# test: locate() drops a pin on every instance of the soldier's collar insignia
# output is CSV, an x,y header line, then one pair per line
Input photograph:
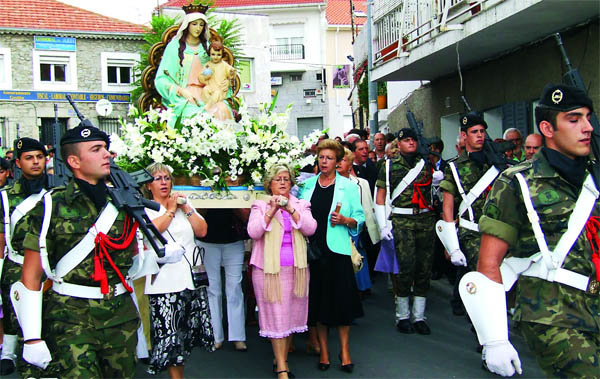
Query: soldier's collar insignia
x,y
465,120
557,96
85,133
20,144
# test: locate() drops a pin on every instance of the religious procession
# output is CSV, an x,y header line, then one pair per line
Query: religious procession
x,y
255,194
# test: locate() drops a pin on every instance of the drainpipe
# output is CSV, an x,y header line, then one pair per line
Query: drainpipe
x,y
373,116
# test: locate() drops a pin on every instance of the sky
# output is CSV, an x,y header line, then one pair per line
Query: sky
x,y
136,11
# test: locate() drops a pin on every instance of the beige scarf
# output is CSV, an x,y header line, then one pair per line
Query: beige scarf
x,y
272,266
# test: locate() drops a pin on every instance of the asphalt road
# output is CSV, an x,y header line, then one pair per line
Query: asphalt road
x,y
377,349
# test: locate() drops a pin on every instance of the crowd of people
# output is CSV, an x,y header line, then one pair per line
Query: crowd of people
x,y
317,242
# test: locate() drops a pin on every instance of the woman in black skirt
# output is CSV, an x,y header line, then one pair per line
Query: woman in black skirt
x,y
333,295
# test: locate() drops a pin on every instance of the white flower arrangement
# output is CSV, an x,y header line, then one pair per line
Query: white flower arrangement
x,y
211,149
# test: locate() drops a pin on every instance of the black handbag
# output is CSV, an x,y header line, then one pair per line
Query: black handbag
x,y
313,251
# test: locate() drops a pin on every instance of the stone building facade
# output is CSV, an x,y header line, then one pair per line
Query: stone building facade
x,y
92,58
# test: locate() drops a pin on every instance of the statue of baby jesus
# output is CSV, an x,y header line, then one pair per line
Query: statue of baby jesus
x,y
217,77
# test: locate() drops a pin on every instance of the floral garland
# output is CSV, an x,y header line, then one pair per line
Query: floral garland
x,y
212,149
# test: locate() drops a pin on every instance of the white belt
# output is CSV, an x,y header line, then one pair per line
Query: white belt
x,y
86,292
464,223
408,211
511,268
17,258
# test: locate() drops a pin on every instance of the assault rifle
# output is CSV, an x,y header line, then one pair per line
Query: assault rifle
x,y
61,174
417,126
125,194
573,78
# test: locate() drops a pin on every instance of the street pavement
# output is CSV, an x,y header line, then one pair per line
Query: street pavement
x,y
377,349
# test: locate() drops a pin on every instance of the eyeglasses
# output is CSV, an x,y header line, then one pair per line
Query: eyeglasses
x,y
166,178
285,180
514,139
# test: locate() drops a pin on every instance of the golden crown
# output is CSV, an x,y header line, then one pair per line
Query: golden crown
x,y
194,7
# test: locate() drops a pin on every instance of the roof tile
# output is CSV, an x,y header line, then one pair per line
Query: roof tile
x,y
338,12
244,3
54,15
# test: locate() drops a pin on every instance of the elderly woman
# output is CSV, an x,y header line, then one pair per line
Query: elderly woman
x,y
179,312
333,296
344,168
280,274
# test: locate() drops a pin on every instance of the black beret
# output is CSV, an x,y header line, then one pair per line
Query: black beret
x,y
4,164
563,98
471,119
26,144
407,133
84,133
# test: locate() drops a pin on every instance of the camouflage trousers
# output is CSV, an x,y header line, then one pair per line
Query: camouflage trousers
x,y
83,349
469,245
11,273
563,352
414,252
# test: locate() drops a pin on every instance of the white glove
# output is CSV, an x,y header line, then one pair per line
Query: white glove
x,y
437,178
144,263
458,258
386,233
385,226
37,354
501,358
173,253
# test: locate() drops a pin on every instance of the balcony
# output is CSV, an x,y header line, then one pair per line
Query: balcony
x,y
287,52
419,39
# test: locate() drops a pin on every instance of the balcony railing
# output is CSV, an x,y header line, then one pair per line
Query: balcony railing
x,y
402,25
287,52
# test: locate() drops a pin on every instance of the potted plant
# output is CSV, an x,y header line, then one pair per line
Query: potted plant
x,y
381,95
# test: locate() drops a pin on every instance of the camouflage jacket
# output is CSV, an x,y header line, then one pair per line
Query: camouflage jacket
x,y
505,217
399,167
16,194
469,172
73,213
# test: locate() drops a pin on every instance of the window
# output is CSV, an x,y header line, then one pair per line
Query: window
x,y
4,130
296,77
118,71
245,70
54,70
5,69
289,43
110,125
319,76
46,129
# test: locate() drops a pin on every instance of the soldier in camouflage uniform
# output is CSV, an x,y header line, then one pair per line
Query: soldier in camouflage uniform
x,y
412,224
471,166
89,327
558,306
31,159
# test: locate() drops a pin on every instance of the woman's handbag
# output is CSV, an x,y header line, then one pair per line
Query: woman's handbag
x,y
313,251
357,259
199,275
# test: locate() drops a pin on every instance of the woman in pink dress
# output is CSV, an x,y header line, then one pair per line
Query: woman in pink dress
x,y
280,274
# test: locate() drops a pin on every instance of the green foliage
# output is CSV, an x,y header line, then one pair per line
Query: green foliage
x,y
158,25
381,88
363,91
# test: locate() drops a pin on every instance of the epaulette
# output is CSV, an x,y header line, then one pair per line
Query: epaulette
x,y
523,166
453,158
